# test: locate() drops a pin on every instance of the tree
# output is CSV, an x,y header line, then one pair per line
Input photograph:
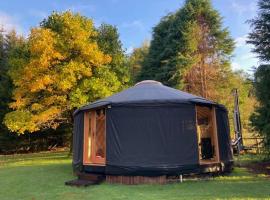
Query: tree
x,y
109,42
10,53
260,38
190,50
260,35
136,60
260,119
4,94
65,69
160,50
247,101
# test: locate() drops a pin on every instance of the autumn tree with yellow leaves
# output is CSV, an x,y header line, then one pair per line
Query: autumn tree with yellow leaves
x,y
65,69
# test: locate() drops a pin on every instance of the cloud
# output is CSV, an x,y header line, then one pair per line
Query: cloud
x,y
243,48
8,23
236,66
136,24
241,41
243,8
248,55
243,58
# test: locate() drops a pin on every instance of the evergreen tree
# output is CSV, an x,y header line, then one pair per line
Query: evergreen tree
x,y
3,90
10,45
260,119
190,50
260,38
260,35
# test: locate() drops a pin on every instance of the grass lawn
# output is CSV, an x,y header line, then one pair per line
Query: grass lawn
x,y
42,176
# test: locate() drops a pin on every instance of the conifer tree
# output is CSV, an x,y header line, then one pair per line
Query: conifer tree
x,y
260,38
10,53
190,50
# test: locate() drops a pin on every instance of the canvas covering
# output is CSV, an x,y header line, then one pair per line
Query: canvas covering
x,y
150,130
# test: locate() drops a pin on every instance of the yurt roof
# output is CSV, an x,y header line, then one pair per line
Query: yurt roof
x,y
147,92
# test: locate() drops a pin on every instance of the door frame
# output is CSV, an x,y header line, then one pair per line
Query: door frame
x,y
92,159
215,136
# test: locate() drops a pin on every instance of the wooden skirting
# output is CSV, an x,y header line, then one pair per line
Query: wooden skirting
x,y
133,180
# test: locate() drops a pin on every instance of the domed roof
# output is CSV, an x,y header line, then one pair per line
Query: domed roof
x,y
148,91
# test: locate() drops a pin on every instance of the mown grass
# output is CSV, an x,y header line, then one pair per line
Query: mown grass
x,y
41,177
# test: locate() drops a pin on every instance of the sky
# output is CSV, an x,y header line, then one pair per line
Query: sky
x,y
134,19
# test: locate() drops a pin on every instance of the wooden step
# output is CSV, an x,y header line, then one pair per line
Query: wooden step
x,y
86,179
91,176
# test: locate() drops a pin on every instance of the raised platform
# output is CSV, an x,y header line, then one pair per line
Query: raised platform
x,y
204,170
134,180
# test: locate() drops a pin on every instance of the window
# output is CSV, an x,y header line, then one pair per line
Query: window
x,y
95,137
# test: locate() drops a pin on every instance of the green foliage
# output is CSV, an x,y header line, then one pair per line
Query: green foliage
x,y
136,60
10,44
19,120
14,53
260,119
259,36
4,94
68,66
190,50
177,41
95,87
247,101
65,63
109,42
4,89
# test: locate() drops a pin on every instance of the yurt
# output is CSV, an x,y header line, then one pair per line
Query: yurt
x,y
150,131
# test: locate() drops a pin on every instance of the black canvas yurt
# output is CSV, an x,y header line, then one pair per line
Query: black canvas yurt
x,y
151,130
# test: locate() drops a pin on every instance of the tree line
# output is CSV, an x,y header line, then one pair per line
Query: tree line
x,y
191,50
260,38
67,62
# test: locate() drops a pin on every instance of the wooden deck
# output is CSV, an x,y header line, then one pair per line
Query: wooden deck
x,y
134,180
